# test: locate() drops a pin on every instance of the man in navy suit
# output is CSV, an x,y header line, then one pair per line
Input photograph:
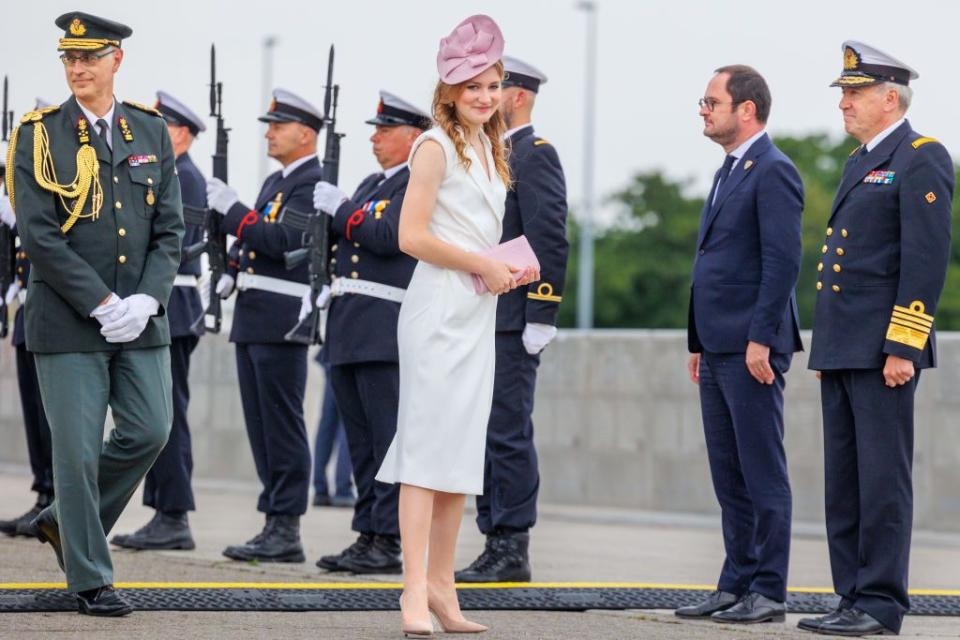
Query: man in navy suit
x,y
742,333
526,323
885,260
273,372
370,277
166,488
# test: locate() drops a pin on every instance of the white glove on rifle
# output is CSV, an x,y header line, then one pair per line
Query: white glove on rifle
x,y
322,299
328,198
537,336
220,195
225,286
12,292
140,308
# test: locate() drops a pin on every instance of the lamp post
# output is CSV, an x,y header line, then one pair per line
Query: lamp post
x,y
585,267
266,87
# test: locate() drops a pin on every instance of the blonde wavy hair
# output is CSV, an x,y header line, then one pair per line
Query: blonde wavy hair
x,y
445,113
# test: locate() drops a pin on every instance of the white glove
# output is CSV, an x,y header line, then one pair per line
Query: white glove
x,y
537,336
225,286
6,212
220,195
140,307
322,299
328,198
12,292
110,311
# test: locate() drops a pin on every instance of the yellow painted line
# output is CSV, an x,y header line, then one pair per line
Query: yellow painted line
x,y
398,585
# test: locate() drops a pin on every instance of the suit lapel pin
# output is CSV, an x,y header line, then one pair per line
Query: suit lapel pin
x,y
747,165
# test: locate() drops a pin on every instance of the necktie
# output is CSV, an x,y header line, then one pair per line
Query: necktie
x,y
102,128
724,174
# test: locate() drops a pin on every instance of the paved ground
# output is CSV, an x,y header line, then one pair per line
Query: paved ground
x,y
569,544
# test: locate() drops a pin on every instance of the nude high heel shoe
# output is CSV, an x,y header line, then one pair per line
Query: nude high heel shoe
x,y
449,625
417,630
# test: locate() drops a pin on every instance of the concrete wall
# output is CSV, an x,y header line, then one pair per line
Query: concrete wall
x,y
617,424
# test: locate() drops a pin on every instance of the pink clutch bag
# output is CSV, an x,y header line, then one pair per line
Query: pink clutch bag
x,y
516,252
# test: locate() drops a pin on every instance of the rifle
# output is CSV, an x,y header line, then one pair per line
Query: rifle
x,y
315,226
7,241
214,242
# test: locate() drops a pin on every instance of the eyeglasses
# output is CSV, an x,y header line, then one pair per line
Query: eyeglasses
x,y
85,59
711,103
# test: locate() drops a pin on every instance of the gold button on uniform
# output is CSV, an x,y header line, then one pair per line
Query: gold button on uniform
x,y
19,269
249,269
843,232
356,245
354,275
334,247
116,180
121,232
829,231
354,259
122,259
839,251
823,249
149,180
820,267
119,205
819,286
251,255
836,288
836,268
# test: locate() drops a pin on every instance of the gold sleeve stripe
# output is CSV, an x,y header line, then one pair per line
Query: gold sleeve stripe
x,y
544,293
85,43
855,150
909,337
914,319
919,142
912,325
539,142
915,309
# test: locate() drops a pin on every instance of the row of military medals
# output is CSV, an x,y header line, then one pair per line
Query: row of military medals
x,y
83,137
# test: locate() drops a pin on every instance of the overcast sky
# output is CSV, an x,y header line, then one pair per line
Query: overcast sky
x,y
655,58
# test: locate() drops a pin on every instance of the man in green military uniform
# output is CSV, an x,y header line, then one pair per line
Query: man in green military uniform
x,y
98,210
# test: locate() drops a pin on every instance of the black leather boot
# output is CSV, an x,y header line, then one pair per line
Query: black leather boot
x,y
281,543
237,551
360,545
164,531
508,561
383,556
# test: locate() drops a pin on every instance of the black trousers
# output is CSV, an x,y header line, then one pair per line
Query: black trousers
x,y
868,459
511,479
167,485
273,378
39,449
368,396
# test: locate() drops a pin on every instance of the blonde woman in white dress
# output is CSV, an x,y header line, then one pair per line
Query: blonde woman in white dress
x,y
453,208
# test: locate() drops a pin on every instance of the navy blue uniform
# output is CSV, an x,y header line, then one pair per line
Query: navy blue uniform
x,y
884,263
39,449
362,340
167,485
744,275
272,372
536,207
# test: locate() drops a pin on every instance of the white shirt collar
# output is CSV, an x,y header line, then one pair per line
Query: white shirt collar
x,y
290,168
741,151
392,171
510,132
880,137
92,117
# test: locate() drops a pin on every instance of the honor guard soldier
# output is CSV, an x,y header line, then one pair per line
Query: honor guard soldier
x,y
526,323
885,258
34,419
98,211
273,372
167,487
371,274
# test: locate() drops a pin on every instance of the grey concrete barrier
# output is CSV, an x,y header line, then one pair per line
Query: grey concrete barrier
x,y
617,425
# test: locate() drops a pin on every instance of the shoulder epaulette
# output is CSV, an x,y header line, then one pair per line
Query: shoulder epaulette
x,y
855,150
143,107
38,114
540,141
919,142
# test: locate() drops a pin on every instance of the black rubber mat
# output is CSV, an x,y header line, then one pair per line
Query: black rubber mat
x,y
511,598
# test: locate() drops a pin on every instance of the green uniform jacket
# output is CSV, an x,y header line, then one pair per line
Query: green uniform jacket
x,y
133,247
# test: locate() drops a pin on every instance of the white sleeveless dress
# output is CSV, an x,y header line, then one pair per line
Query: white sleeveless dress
x,y
446,336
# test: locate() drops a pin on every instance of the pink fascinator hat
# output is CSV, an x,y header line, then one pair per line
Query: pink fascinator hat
x,y
473,46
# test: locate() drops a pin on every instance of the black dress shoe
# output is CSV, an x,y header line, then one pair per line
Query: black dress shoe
x,y
343,502
103,601
752,609
360,545
164,531
321,500
383,556
20,526
814,624
45,529
854,623
505,559
716,601
280,543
